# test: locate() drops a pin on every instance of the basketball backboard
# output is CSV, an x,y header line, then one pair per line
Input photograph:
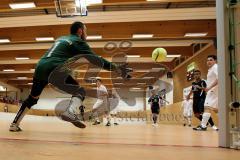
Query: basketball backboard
x,y
69,8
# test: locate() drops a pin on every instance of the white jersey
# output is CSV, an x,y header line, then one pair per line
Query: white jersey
x,y
101,98
212,95
101,90
187,108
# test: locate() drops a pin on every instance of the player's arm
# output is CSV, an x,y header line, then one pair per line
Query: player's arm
x,y
163,100
215,83
149,100
83,48
189,95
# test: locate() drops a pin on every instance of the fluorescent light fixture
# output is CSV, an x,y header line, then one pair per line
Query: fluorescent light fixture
x,y
4,40
158,69
173,56
8,70
195,34
44,39
30,83
92,2
2,88
22,5
22,58
93,83
136,88
141,83
21,78
148,77
119,77
32,70
132,56
142,36
94,37
118,83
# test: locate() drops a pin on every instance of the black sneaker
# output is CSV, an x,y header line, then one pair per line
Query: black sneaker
x,y
189,125
200,128
116,124
96,123
108,124
184,124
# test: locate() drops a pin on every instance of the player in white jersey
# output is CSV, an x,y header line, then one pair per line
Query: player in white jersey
x,y
211,102
187,105
102,104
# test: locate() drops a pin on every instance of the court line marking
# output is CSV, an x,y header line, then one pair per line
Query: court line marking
x,y
103,143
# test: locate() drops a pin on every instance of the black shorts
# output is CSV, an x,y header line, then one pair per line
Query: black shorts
x,y
198,105
155,110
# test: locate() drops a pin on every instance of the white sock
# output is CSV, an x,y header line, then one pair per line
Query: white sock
x,y
189,120
205,119
114,119
75,103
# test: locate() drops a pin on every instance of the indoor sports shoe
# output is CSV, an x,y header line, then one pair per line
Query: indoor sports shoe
x,y
96,123
200,128
215,128
73,118
14,128
108,124
116,123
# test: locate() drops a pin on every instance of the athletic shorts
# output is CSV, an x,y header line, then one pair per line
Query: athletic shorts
x,y
211,99
198,105
155,110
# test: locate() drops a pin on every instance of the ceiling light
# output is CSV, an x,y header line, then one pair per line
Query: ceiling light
x,y
22,58
132,56
141,83
22,5
173,56
21,78
118,83
148,77
158,69
142,36
8,70
4,40
94,37
44,39
92,2
136,88
2,88
195,34
30,83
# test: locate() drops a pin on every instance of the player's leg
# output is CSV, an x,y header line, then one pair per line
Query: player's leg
x,y
63,81
37,88
211,100
115,119
107,111
108,117
96,107
189,117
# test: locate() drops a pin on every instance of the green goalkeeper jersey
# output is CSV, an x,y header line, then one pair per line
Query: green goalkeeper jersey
x,y
63,49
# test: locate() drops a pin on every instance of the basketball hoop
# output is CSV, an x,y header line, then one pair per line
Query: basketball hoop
x,y
70,8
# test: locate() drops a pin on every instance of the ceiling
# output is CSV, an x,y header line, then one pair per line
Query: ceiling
x,y
116,21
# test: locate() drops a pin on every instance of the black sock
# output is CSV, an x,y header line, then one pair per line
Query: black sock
x,y
19,113
210,121
200,117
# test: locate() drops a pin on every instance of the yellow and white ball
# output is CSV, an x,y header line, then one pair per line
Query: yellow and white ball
x,y
159,55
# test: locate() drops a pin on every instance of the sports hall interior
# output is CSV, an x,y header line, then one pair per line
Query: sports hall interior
x,y
113,27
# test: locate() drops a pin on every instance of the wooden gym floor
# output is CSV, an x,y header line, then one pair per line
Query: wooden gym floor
x,y
48,138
